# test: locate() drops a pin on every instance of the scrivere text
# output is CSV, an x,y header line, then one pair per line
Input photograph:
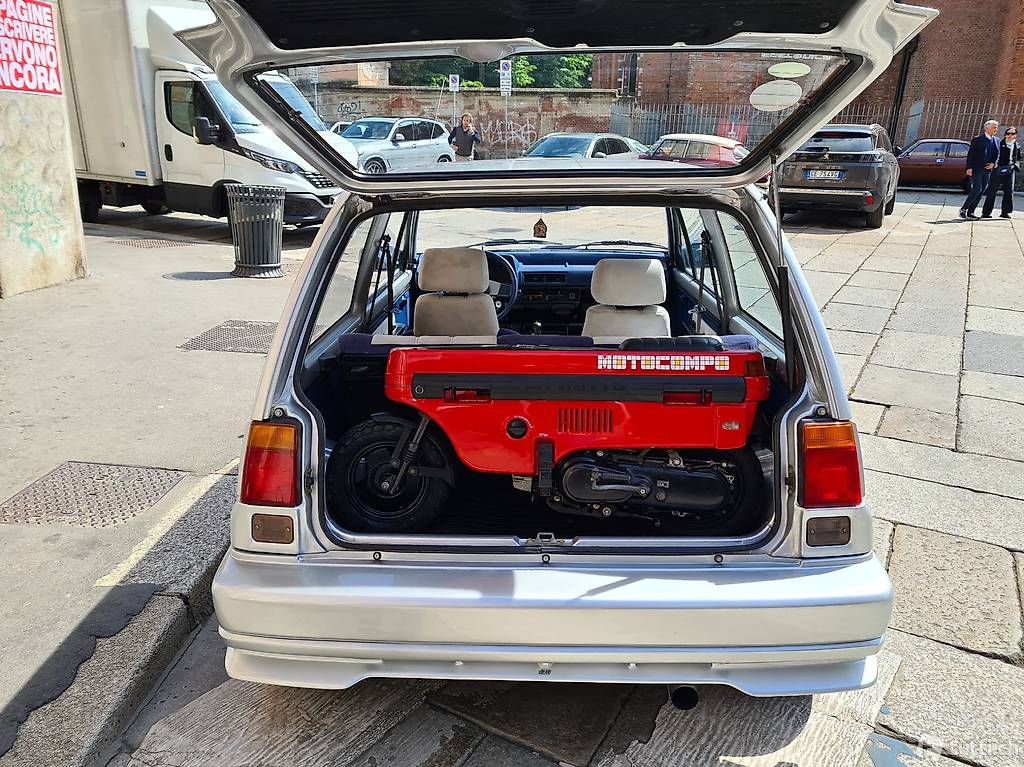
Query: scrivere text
x,y
29,60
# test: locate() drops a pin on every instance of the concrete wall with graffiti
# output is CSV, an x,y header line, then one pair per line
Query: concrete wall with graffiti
x,y
530,114
40,229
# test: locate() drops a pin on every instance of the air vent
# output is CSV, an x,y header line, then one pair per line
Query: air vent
x,y
585,420
543,278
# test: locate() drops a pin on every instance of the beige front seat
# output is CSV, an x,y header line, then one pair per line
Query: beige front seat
x,y
454,302
628,291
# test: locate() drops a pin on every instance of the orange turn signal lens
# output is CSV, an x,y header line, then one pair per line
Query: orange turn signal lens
x,y
831,465
272,436
270,473
829,434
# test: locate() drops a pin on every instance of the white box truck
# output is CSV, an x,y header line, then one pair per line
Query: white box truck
x,y
152,126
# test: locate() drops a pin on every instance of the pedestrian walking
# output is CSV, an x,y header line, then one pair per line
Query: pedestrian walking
x,y
981,159
464,139
1002,176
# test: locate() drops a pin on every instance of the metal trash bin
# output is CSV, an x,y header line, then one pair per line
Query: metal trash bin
x,y
256,214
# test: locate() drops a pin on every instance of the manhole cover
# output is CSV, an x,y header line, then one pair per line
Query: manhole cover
x,y
89,495
234,336
138,242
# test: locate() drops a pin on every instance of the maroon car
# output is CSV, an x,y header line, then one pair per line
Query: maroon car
x,y
935,162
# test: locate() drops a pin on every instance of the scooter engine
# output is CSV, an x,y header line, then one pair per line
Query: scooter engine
x,y
700,484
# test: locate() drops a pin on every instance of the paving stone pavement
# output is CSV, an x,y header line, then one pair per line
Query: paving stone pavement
x,y
924,314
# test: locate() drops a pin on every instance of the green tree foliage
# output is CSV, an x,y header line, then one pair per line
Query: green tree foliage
x,y
522,72
569,71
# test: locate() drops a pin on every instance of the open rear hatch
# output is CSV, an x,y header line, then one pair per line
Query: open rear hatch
x,y
775,71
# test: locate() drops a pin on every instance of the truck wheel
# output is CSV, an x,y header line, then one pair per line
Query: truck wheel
x,y
359,469
375,167
890,206
154,208
89,201
875,218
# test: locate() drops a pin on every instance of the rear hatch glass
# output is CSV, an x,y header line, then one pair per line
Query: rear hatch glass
x,y
610,78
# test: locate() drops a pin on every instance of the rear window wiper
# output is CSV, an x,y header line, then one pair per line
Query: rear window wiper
x,y
633,243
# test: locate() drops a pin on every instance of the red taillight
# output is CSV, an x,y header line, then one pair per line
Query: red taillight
x,y
831,465
269,476
870,198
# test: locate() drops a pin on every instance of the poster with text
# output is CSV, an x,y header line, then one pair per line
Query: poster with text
x,y
29,60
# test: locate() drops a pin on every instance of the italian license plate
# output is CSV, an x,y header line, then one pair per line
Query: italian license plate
x,y
831,175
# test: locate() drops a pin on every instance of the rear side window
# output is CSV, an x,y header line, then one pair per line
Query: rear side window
x,y
753,290
958,150
338,296
839,141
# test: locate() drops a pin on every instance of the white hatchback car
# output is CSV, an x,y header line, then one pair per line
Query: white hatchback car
x,y
398,143
578,421
585,145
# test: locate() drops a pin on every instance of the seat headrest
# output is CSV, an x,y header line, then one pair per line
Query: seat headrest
x,y
628,282
453,270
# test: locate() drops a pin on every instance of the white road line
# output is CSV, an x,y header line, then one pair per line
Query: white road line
x,y
156,532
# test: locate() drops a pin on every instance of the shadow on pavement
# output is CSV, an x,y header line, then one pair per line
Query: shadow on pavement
x,y
110,616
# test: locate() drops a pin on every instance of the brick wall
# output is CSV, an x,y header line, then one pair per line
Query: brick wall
x,y
1010,73
532,112
974,49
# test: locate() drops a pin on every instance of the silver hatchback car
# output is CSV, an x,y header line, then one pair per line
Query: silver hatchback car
x,y
398,143
579,422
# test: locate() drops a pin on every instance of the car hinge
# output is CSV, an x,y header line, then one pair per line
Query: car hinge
x,y
782,271
309,478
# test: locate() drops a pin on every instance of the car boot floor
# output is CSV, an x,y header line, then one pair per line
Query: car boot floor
x,y
484,505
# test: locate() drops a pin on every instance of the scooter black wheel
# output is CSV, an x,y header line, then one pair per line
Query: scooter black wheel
x,y
365,494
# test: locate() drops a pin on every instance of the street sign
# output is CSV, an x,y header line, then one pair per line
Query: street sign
x,y
505,75
453,83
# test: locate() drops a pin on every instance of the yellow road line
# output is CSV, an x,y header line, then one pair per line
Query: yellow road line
x,y
155,533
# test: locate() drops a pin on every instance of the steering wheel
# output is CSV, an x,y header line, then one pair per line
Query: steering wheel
x,y
503,283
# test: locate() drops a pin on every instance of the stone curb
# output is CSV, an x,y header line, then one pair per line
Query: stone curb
x,y
83,725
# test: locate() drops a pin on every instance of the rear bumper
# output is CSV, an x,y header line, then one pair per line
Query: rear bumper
x,y
767,630
801,198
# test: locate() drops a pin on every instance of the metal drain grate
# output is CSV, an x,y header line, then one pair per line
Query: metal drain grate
x,y
234,336
89,495
138,242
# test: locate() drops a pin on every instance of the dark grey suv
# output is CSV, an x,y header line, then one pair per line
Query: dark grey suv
x,y
843,167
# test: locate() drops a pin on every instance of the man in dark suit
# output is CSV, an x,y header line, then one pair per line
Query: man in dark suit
x,y
981,159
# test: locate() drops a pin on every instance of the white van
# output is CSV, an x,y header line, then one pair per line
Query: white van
x,y
151,124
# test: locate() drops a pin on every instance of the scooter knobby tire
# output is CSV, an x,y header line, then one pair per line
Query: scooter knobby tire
x,y
361,455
